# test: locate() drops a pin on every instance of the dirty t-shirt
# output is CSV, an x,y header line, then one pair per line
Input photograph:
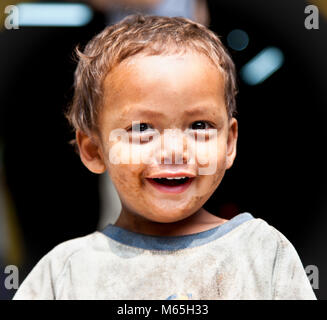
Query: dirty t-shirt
x,y
244,258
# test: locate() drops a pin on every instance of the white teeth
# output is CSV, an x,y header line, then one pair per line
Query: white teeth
x,y
174,178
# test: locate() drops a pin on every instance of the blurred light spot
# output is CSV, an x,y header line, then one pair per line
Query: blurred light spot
x,y
262,66
54,14
238,39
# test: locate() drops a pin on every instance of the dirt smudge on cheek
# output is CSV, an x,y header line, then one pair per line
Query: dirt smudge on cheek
x,y
216,181
195,202
218,176
128,181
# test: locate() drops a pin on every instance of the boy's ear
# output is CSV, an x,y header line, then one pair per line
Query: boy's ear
x,y
90,153
231,142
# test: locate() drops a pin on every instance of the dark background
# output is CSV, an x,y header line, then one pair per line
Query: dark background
x,y
280,171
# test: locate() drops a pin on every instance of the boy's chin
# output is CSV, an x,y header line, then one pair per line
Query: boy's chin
x,y
169,217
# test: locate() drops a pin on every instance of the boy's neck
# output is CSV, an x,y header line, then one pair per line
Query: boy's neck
x,y
201,220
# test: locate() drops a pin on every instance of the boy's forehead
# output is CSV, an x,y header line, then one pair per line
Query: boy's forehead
x,y
142,62
167,83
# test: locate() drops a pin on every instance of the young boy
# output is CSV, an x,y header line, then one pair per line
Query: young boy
x,y
153,105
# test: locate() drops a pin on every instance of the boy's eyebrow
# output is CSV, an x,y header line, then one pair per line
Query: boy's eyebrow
x,y
193,111
196,110
150,113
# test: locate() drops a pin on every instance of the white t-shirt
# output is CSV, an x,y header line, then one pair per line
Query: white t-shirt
x,y
244,258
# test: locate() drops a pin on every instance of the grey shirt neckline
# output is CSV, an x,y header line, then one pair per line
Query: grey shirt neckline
x,y
151,242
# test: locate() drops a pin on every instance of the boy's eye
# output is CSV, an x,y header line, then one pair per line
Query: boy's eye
x,y
141,132
141,127
200,125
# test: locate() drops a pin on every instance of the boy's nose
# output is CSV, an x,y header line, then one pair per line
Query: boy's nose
x,y
174,148
173,157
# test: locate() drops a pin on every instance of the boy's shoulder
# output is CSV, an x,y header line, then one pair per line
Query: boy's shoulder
x,y
68,248
262,231
257,229
270,231
256,237
62,253
46,274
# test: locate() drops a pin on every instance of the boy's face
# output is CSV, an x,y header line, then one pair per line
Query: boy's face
x,y
183,92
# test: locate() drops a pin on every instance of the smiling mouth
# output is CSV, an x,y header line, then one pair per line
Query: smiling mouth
x,y
171,185
171,181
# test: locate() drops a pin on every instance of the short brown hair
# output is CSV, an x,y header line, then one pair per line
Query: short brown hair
x,y
152,35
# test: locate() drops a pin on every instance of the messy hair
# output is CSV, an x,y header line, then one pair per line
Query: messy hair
x,y
149,35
